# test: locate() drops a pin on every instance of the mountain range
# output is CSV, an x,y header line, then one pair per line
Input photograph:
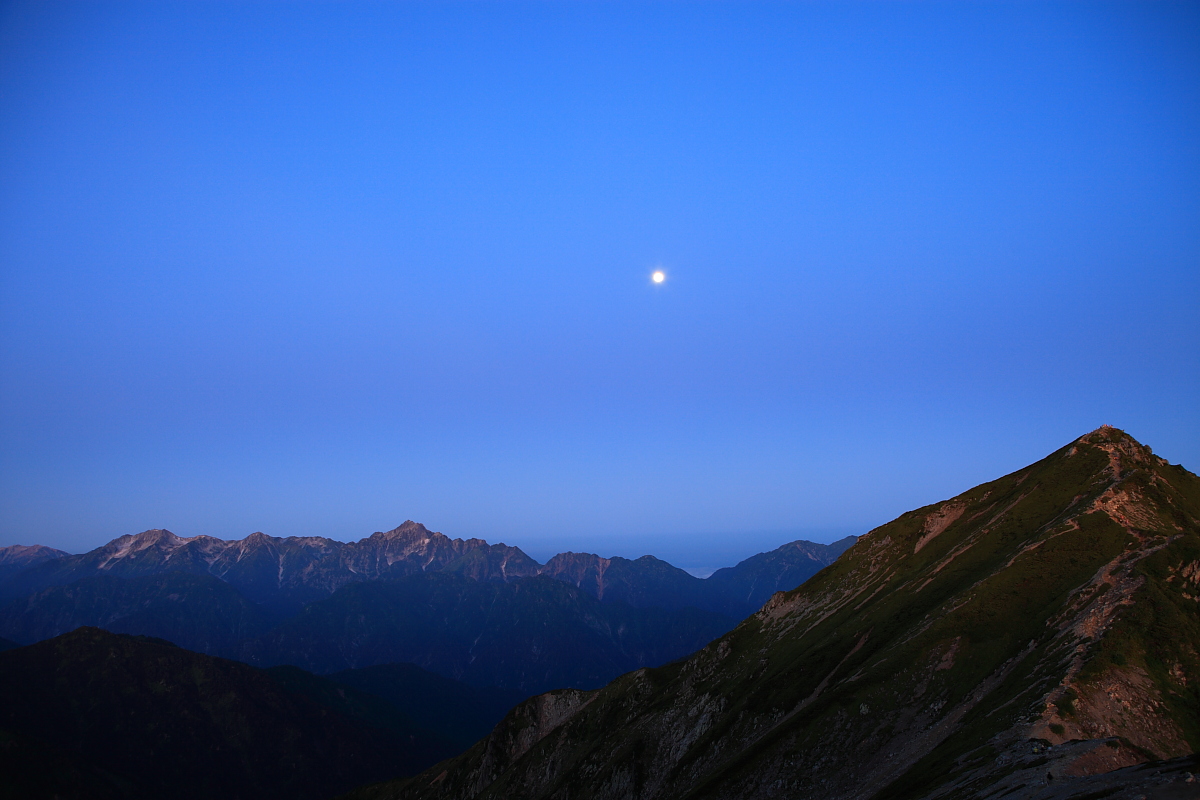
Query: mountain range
x,y
466,609
1033,637
284,574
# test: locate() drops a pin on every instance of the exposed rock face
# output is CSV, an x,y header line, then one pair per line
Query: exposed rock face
x,y
943,654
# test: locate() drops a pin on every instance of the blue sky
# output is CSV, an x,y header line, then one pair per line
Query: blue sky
x,y
314,269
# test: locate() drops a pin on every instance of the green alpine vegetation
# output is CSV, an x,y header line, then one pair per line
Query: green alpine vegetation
x,y
1041,627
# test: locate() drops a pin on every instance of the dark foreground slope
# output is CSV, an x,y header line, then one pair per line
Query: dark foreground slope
x,y
939,657
92,714
457,712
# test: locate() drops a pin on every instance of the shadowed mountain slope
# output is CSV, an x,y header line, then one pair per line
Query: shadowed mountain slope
x,y
530,635
642,582
93,714
199,612
939,656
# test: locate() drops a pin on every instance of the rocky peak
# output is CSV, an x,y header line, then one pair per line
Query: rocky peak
x,y
156,537
1124,452
408,530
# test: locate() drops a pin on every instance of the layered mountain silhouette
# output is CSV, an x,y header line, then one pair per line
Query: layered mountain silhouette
x,y
1033,637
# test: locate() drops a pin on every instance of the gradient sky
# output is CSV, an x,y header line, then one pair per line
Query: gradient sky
x,y
314,269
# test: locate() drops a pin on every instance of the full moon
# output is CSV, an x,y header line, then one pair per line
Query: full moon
x,y
658,276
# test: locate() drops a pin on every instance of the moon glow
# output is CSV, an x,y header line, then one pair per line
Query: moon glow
x,y
659,276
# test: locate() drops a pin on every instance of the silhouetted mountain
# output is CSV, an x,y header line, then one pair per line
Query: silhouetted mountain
x,y
7,644
19,557
96,715
1036,628
452,710
199,612
530,634
752,582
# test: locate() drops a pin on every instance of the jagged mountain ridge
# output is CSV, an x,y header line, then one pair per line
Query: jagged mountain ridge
x,y
946,653
287,573
293,569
